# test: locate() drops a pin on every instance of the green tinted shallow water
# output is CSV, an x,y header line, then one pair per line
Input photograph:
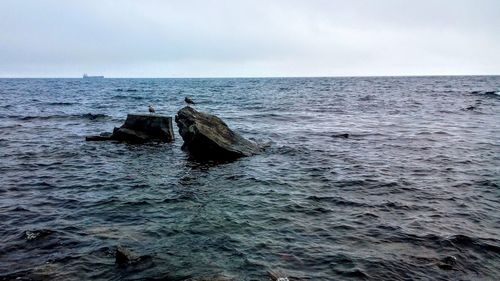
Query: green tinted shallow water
x,y
416,180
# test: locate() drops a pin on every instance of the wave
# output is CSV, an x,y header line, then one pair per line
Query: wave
x,y
60,103
367,98
336,200
126,90
456,241
495,94
426,133
10,126
120,97
88,116
345,135
92,116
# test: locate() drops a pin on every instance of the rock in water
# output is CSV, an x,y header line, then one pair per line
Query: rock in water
x,y
123,256
447,263
140,128
208,137
101,137
212,278
188,100
344,136
31,235
145,127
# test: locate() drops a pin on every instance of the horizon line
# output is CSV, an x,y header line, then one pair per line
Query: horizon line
x,y
259,77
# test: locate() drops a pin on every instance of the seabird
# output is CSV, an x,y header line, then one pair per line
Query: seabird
x,y
188,100
151,109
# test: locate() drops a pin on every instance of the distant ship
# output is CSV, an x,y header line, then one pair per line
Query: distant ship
x,y
85,76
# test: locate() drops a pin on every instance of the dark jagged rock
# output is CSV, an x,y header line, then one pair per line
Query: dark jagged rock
x,y
207,137
140,128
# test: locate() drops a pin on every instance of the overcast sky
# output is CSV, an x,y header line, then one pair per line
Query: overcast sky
x,y
188,38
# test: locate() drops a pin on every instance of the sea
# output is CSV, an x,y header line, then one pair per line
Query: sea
x,y
362,178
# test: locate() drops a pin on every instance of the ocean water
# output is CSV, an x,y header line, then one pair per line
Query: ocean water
x,y
411,194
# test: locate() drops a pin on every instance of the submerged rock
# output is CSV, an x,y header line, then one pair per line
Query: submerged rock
x,y
31,235
140,128
123,256
278,275
447,263
206,136
219,277
101,137
92,116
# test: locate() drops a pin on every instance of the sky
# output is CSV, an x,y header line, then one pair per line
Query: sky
x,y
257,38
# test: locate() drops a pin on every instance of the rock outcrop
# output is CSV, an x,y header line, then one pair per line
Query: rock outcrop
x,y
207,137
140,128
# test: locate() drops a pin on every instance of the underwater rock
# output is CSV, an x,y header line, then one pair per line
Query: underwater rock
x,y
92,116
212,278
123,256
101,137
206,136
447,263
31,235
140,128
280,276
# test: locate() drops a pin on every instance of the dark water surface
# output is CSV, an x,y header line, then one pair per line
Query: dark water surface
x,y
415,183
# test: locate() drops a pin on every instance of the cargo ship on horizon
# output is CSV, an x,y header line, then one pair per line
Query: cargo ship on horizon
x,y
85,76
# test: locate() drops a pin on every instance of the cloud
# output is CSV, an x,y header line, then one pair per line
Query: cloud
x,y
152,38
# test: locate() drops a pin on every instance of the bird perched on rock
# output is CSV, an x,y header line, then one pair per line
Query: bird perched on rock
x,y
151,109
188,100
